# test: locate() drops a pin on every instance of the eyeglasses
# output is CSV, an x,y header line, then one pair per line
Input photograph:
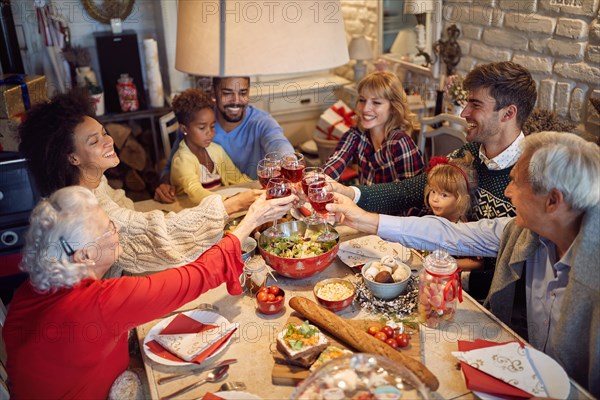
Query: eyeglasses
x,y
69,250
111,231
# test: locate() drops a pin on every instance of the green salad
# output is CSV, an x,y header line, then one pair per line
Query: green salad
x,y
297,246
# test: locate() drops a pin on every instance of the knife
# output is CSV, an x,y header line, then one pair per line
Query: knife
x,y
172,378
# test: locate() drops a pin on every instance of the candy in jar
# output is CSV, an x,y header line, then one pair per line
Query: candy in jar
x,y
127,93
439,288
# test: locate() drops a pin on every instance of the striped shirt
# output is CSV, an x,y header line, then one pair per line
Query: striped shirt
x,y
397,159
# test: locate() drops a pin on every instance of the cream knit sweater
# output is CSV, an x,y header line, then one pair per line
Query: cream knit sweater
x,y
154,241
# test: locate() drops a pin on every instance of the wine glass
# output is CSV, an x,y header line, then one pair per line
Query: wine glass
x,y
276,188
273,156
320,194
292,166
267,169
312,175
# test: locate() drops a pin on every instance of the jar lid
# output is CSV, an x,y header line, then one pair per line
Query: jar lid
x,y
440,262
125,78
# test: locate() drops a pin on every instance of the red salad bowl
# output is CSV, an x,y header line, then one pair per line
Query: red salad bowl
x,y
298,268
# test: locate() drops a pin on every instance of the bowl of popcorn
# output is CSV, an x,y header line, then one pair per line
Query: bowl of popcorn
x,y
387,278
334,294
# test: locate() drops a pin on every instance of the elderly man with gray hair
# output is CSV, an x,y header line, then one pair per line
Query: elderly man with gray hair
x,y
547,270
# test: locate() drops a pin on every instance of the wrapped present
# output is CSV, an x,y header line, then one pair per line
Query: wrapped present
x,y
18,92
335,121
9,134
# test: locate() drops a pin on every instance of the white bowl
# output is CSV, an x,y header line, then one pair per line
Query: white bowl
x,y
386,291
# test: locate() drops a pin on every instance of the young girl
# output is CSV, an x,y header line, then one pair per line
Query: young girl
x,y
451,184
198,164
380,144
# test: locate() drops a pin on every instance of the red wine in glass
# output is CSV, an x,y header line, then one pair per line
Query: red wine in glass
x,y
310,180
292,166
276,188
277,192
318,202
266,175
320,194
293,173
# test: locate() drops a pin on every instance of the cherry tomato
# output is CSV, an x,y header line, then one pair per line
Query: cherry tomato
x,y
278,298
381,336
270,297
389,331
373,330
274,290
402,339
392,342
261,297
263,289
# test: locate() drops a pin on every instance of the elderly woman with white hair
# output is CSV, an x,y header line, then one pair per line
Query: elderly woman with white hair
x,y
66,330
547,255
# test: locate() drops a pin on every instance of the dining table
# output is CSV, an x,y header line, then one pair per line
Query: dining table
x,y
254,342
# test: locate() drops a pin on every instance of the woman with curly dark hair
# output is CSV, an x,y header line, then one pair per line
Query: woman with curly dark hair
x,y
66,146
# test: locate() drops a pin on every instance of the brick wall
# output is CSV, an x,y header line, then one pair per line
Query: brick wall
x,y
557,40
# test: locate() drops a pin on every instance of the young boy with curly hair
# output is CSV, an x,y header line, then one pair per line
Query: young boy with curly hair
x,y
199,164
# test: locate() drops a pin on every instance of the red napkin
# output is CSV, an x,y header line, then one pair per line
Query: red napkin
x,y
210,396
481,382
304,211
184,324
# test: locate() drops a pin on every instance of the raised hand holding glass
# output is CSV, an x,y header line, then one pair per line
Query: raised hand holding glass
x,y
320,194
276,188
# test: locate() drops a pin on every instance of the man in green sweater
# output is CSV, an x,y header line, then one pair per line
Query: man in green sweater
x,y
501,97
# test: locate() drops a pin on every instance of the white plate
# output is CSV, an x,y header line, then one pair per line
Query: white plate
x,y
235,395
230,191
297,214
553,376
206,317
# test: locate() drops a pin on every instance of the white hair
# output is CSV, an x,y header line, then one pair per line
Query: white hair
x,y
566,162
64,215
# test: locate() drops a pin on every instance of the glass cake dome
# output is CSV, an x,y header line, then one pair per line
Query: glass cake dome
x,y
361,377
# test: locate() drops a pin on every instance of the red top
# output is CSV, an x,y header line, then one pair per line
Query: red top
x,y
72,343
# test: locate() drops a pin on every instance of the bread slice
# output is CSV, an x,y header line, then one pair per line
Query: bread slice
x,y
330,353
296,345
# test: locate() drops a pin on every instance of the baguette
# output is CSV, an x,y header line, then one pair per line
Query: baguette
x,y
358,339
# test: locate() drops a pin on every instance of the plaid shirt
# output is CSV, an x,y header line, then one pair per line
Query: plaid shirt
x,y
397,159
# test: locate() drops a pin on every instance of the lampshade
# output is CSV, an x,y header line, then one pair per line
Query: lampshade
x,y
418,6
359,49
243,38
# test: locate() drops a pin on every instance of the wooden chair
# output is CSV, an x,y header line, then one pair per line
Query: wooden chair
x,y
445,138
168,129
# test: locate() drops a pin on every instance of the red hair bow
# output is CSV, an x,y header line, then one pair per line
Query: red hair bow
x,y
435,161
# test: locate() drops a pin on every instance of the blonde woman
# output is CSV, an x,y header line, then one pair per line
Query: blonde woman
x,y
380,143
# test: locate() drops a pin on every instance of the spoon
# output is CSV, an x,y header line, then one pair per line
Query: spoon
x,y
216,376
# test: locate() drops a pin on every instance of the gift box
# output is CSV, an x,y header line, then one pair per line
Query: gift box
x,y
19,92
335,121
9,134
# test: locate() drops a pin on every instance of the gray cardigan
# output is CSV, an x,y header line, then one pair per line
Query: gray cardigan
x,y
576,342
